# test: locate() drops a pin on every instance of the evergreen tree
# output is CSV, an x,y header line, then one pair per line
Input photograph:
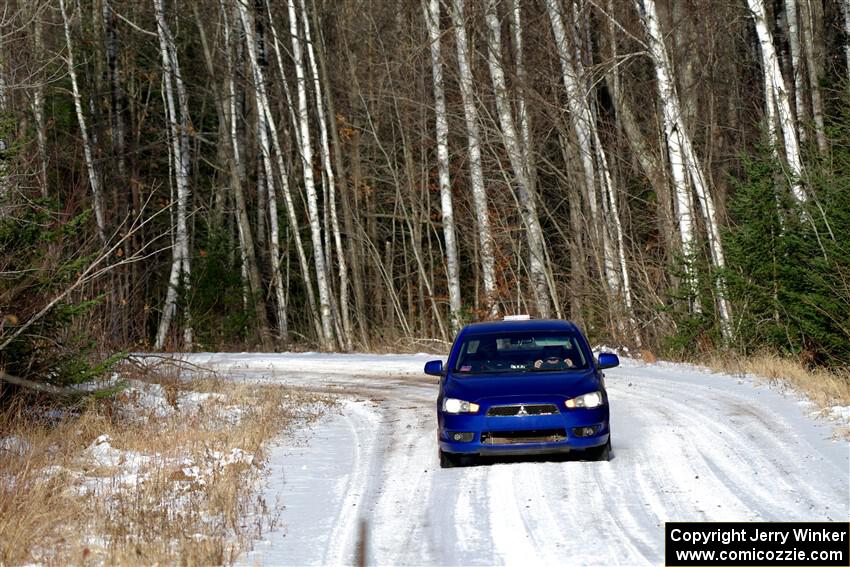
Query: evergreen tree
x,y
789,281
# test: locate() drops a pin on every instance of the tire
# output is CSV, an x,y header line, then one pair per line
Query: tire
x,y
601,453
449,460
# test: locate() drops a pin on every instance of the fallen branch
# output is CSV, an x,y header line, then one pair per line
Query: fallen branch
x,y
39,386
140,361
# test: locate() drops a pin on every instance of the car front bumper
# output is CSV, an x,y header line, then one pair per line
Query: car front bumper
x,y
523,435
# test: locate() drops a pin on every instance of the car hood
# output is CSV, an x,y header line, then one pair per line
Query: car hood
x,y
567,384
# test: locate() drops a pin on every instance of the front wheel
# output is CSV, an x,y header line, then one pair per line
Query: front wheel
x,y
601,453
449,460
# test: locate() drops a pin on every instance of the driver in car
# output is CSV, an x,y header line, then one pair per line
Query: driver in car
x,y
486,356
554,358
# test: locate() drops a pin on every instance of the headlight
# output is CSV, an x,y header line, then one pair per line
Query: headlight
x,y
452,405
591,400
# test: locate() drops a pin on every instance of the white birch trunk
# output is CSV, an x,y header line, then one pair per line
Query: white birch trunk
x,y
780,93
770,115
309,183
845,8
287,193
476,175
170,305
94,180
796,66
581,120
683,158
5,182
667,94
180,267
250,272
263,119
524,123
521,75
183,189
517,157
38,109
712,226
347,335
431,9
614,217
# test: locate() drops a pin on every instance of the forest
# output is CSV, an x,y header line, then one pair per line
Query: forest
x,y
339,175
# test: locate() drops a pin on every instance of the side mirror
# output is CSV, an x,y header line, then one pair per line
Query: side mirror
x,y
434,367
608,360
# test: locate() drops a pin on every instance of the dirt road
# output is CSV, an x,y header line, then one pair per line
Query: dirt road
x,y
688,445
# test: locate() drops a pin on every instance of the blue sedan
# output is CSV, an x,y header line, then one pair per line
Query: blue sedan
x,y
522,387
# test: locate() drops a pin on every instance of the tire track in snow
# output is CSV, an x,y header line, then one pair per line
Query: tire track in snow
x,y
399,515
725,455
509,531
342,541
464,531
538,496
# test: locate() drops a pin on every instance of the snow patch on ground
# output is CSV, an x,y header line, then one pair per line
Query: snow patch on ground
x,y
248,364
214,462
144,400
840,412
619,351
14,446
130,468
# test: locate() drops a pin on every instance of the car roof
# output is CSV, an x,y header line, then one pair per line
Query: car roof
x,y
529,325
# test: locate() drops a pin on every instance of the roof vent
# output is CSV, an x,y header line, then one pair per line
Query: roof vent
x,y
516,318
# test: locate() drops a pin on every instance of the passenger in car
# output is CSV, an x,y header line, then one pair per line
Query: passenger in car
x,y
485,355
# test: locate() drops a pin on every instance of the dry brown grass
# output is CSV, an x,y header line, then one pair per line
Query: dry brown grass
x,y
826,388
59,506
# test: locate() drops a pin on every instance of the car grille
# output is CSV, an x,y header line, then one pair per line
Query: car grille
x,y
523,437
522,410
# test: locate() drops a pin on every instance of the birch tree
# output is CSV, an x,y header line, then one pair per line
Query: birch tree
x,y
796,66
773,75
580,120
94,179
179,137
476,174
517,155
243,223
845,10
524,124
431,9
5,184
330,204
606,228
652,167
263,119
38,108
306,153
683,159
116,116
283,171
348,196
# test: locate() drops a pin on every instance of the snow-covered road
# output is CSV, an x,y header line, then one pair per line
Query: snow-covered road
x,y
688,445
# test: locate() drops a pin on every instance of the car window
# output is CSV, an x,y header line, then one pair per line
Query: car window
x,y
547,351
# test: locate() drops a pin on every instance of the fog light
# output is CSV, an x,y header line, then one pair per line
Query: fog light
x,y
462,436
584,431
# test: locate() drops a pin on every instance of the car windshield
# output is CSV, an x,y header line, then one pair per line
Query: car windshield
x,y
552,351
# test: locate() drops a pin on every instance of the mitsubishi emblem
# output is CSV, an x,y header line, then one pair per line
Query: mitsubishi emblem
x,y
522,410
